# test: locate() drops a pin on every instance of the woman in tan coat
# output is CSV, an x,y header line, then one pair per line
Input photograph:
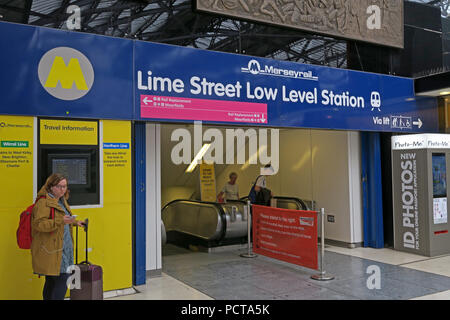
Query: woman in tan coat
x,y
52,244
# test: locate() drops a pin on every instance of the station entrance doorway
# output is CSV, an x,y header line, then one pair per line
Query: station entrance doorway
x,y
202,209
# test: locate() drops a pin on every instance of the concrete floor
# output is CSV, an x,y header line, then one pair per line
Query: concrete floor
x,y
189,275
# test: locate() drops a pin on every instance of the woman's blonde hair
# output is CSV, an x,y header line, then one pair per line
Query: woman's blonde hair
x,y
53,180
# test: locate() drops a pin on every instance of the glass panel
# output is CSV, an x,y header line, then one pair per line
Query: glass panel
x,y
439,175
439,169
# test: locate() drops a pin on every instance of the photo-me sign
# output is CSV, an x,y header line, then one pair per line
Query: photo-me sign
x,y
179,83
375,21
420,174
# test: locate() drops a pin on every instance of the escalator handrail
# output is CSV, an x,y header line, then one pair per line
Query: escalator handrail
x,y
302,203
232,201
214,204
189,201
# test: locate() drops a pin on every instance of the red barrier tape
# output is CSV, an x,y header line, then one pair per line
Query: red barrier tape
x,y
288,235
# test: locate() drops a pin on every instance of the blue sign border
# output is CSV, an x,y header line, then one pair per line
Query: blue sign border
x,y
115,93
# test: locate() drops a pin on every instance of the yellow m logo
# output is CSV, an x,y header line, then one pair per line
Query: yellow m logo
x,y
67,75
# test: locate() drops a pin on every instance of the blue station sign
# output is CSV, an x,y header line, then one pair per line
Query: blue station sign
x,y
48,72
274,93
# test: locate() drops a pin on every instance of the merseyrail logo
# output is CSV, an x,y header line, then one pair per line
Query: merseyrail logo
x,y
255,68
66,73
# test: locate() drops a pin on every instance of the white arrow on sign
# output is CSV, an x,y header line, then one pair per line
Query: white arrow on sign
x,y
146,100
263,119
418,123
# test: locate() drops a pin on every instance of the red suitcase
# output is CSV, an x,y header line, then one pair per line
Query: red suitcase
x,y
91,276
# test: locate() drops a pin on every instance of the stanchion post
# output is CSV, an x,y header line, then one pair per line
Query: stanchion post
x,y
249,254
323,276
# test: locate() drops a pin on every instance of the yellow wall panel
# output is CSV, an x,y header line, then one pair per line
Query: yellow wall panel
x,y
68,132
16,194
110,243
110,226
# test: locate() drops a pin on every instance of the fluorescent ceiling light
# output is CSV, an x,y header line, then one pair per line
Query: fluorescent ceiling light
x,y
444,93
198,157
304,159
253,157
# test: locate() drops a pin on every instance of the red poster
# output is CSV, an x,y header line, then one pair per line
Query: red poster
x,y
288,235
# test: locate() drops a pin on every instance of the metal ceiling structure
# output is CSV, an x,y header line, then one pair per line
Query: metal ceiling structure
x,y
443,4
176,22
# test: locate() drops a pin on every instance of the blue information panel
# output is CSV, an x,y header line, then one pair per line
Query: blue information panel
x,y
48,72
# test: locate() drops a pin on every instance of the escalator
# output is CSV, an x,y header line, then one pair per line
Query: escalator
x,y
209,224
212,224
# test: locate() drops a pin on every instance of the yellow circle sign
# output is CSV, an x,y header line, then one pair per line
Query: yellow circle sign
x,y
66,73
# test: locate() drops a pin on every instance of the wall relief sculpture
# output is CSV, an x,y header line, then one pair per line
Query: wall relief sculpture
x,y
376,21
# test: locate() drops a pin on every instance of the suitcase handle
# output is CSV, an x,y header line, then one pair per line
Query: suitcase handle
x,y
86,223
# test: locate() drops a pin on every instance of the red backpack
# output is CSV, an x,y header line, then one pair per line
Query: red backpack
x,y
24,230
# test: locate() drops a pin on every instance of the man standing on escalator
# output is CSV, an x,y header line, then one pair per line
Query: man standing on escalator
x,y
260,194
230,191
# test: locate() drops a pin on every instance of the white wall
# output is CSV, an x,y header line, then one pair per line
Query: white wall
x,y
356,195
294,178
176,192
320,165
153,197
294,175
336,183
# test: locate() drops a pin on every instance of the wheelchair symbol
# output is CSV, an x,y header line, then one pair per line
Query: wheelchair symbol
x,y
375,100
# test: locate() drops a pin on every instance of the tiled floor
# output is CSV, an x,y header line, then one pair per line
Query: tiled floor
x,y
227,276
445,295
164,288
384,255
435,265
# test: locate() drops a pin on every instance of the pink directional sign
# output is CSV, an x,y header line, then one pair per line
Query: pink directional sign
x,y
159,107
